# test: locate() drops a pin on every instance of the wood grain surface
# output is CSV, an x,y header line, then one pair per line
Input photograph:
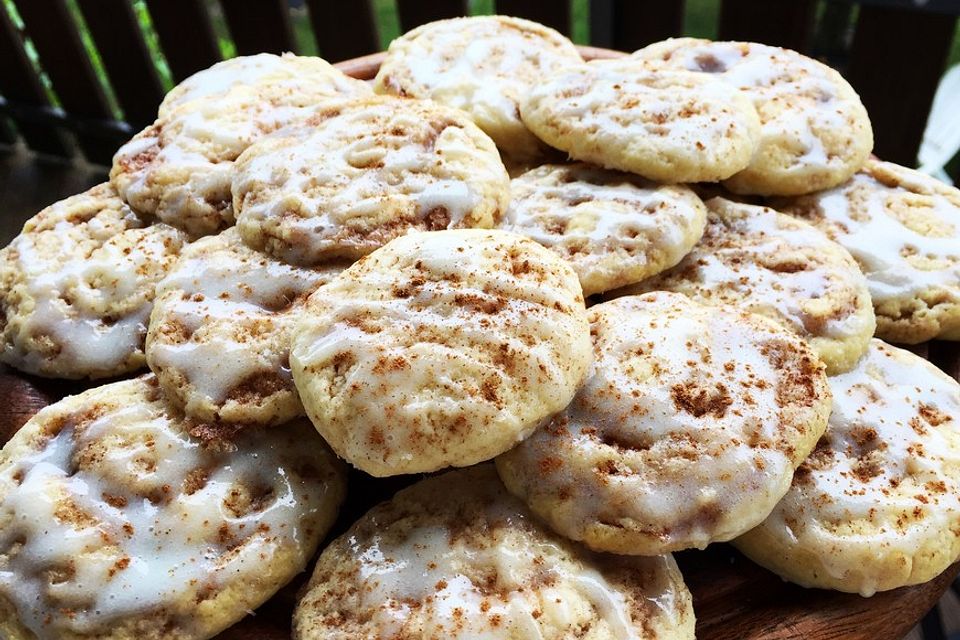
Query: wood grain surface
x,y
734,599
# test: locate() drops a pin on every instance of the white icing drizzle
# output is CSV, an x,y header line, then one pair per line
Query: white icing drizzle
x,y
483,65
884,480
769,263
83,278
89,543
477,566
237,306
671,112
179,168
599,212
603,220
410,571
467,81
372,170
898,261
286,71
799,99
447,307
678,432
190,156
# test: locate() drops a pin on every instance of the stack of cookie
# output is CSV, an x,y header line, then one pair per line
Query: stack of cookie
x,y
405,267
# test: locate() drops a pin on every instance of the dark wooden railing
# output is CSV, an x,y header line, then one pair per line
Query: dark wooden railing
x,y
892,51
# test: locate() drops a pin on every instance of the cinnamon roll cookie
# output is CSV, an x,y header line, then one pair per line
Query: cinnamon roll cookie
x,y
77,286
877,504
903,228
457,557
669,126
219,334
614,228
686,432
360,173
440,349
483,65
769,263
115,522
815,132
266,70
179,168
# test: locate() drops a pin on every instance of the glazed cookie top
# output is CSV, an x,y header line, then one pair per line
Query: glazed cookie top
x,y
457,557
903,228
669,126
219,333
686,431
111,514
179,168
769,263
440,349
363,172
483,65
284,72
77,285
884,481
815,131
614,228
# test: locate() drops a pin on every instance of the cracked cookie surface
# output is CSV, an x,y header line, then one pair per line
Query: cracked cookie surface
x,y
219,337
903,228
815,132
441,349
457,557
773,264
686,431
614,228
77,287
876,506
484,65
128,527
360,173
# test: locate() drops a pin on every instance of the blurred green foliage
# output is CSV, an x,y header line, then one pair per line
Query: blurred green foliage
x,y
700,20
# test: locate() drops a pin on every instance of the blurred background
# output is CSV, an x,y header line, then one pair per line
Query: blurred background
x,y
91,72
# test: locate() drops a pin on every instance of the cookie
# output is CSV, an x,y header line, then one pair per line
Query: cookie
x,y
77,286
614,228
364,172
219,334
815,131
115,522
669,126
441,349
903,228
484,65
287,72
179,168
457,557
877,504
686,432
769,263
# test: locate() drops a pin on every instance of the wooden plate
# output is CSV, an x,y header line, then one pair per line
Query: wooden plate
x,y
734,599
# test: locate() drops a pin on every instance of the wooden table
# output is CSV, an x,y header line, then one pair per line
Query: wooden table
x,y
734,599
